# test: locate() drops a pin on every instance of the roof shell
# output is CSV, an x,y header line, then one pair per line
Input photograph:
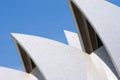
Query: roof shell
x,y
12,74
57,61
105,19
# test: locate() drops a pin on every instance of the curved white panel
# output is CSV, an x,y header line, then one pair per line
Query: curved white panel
x,y
11,74
58,61
73,39
101,66
104,64
103,69
105,19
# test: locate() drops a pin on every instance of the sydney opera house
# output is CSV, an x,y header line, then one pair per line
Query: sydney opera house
x,y
93,53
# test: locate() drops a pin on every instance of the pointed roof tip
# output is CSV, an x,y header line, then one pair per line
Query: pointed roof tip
x,y
66,31
13,34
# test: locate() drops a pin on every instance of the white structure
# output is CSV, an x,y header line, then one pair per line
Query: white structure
x,y
92,54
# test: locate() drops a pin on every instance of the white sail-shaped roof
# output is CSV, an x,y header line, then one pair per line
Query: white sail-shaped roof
x,y
92,54
105,20
12,74
73,39
99,57
57,61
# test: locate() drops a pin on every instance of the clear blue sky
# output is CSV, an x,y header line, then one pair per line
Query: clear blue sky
x,y
46,18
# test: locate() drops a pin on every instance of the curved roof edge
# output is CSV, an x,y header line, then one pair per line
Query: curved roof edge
x,y
12,74
57,61
105,20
